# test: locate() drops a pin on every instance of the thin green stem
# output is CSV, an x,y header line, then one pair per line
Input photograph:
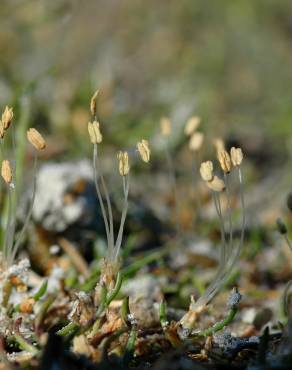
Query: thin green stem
x,y
130,346
24,345
125,310
116,289
218,325
41,291
229,212
7,251
96,177
109,205
163,314
126,186
29,212
44,309
68,329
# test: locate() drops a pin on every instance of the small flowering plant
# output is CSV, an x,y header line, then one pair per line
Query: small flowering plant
x,y
8,173
111,263
230,251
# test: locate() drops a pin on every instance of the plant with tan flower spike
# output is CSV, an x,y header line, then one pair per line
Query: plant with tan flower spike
x,y
144,150
230,251
111,263
192,125
11,245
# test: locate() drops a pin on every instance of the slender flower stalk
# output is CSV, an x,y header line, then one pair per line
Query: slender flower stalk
x,y
8,172
111,263
229,250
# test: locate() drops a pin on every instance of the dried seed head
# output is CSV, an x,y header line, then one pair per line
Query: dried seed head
x,y
7,117
124,167
206,171
196,141
93,103
165,126
219,144
26,306
192,124
2,131
236,156
224,160
6,171
144,150
216,184
36,139
94,132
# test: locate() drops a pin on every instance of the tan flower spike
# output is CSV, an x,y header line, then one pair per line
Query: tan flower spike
x,y
6,171
93,103
36,139
192,124
236,156
124,166
206,171
7,117
224,160
94,132
196,141
144,150
165,126
2,131
216,184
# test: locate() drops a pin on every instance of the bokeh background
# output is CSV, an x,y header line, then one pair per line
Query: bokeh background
x,y
228,62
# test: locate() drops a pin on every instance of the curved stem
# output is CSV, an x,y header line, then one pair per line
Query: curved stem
x,y
96,176
108,202
29,213
126,185
6,250
218,325
130,346
116,289
234,256
222,275
229,212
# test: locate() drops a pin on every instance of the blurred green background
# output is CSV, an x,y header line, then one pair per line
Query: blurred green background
x,y
228,61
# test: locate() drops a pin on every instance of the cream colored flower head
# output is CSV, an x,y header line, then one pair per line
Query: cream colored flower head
x,y
6,171
94,132
216,184
36,139
224,160
196,141
165,126
93,103
124,166
2,131
7,117
191,125
236,156
144,150
206,171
